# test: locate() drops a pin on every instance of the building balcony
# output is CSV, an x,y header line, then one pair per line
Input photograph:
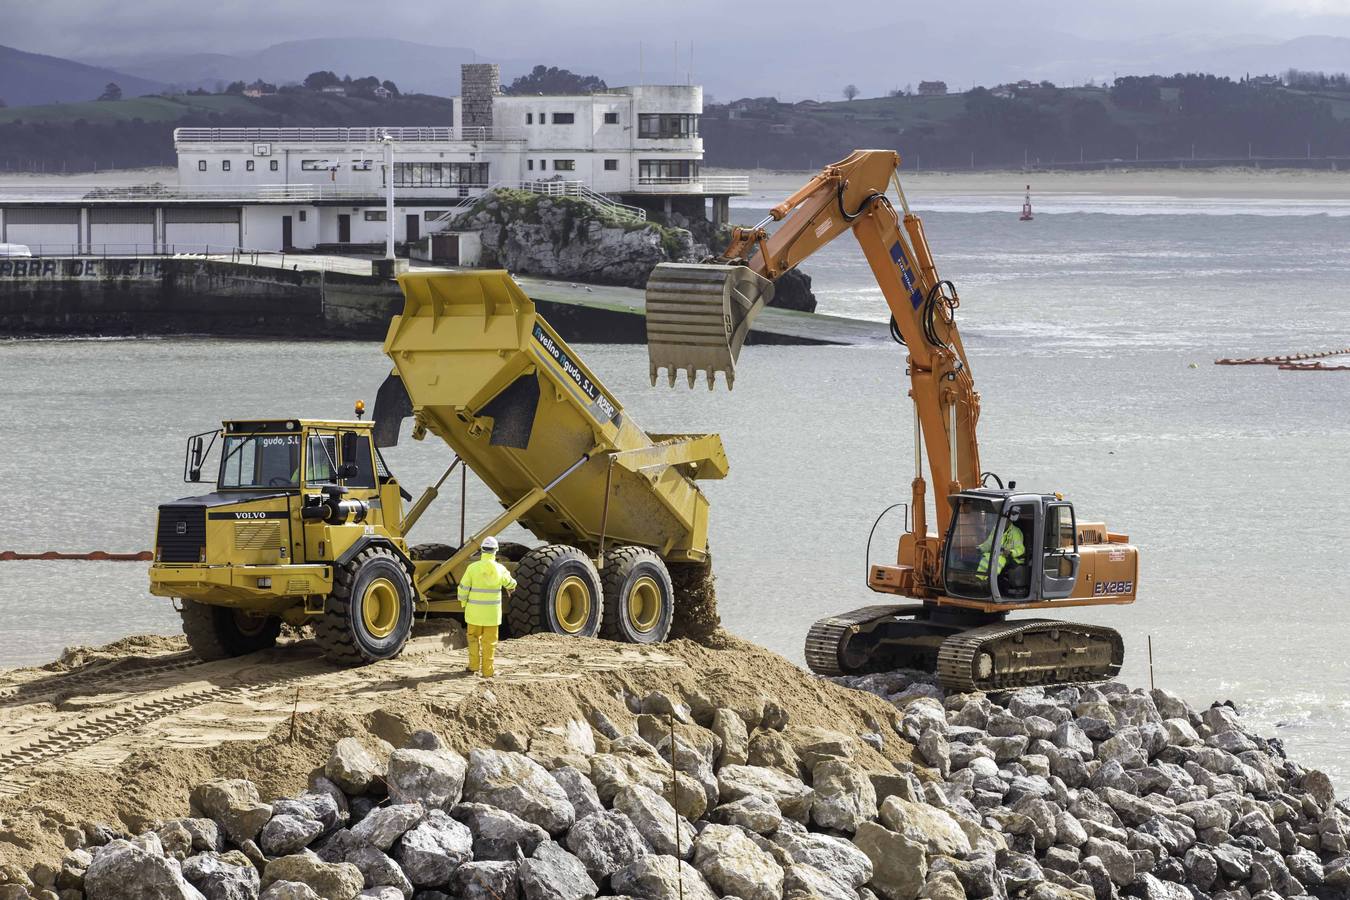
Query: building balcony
x,y
703,184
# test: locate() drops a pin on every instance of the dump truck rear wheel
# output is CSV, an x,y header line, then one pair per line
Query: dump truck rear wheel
x,y
638,592
219,632
557,591
369,614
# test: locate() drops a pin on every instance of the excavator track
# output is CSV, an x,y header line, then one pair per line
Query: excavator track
x,y
827,650
1027,653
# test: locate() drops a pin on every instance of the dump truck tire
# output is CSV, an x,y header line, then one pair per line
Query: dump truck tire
x,y
639,603
219,632
369,614
436,552
557,591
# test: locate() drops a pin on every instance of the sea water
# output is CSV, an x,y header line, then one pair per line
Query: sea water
x,y
1092,333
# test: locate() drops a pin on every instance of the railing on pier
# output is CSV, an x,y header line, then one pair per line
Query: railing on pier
x,y
373,135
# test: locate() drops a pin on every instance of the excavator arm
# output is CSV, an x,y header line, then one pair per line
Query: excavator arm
x,y
717,302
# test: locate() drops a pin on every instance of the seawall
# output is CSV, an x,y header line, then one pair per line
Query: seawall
x,y
195,295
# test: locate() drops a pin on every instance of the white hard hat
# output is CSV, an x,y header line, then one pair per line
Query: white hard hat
x,y
489,544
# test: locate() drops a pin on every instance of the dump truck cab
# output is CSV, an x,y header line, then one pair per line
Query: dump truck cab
x,y
295,502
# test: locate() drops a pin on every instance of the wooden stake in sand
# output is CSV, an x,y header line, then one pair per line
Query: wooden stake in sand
x,y
295,707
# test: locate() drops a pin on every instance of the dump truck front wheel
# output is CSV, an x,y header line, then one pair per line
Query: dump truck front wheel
x,y
557,591
369,614
638,592
219,632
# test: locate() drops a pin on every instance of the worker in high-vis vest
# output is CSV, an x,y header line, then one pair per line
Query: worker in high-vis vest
x,y
480,591
1013,548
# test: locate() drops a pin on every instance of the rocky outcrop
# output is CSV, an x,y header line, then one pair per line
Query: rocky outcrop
x,y
567,238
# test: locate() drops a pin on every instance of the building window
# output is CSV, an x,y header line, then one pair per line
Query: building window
x,y
611,165
543,164
375,215
431,215
529,164
611,118
667,125
248,165
224,165
440,174
201,165
272,164
564,165
529,118
314,165
563,118
662,171
302,215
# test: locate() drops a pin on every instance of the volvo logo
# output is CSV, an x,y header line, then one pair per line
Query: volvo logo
x,y
181,528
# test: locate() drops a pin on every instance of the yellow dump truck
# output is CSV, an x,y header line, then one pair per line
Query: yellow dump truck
x,y
307,523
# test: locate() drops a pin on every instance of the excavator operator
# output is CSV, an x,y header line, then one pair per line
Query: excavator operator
x,y
1012,582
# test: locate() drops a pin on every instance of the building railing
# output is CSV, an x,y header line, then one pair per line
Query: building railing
x,y
700,184
372,135
224,193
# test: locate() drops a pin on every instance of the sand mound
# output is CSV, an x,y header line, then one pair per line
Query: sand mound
x,y
544,680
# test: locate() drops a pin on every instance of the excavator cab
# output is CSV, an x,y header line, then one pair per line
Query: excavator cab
x,y
1006,547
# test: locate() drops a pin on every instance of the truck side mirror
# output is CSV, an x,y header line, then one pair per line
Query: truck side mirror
x,y
195,470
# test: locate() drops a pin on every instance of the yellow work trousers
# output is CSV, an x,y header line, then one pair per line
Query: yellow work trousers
x,y
482,647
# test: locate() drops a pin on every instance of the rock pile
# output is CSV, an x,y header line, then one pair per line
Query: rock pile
x,y
1104,790
1084,793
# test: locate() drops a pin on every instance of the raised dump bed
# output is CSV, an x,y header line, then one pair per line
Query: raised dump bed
x,y
479,368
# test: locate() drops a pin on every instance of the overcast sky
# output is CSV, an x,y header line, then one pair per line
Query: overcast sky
x,y
772,39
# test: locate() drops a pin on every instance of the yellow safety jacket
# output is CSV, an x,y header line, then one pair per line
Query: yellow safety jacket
x,y
1014,548
480,590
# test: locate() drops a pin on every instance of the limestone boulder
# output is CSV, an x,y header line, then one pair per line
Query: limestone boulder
x,y
330,881
519,785
498,835
380,870
842,859
125,870
664,829
554,874
934,829
793,797
733,865
730,729
387,824
754,813
661,877
234,804
580,792
433,778
899,865
285,834
352,767
802,882
486,881
606,842
844,796
431,851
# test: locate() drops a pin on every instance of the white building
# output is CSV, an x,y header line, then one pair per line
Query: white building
x,y
636,148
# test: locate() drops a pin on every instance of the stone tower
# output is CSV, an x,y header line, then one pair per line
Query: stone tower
x,y
478,84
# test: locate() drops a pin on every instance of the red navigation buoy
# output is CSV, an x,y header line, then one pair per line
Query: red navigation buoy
x,y
1026,207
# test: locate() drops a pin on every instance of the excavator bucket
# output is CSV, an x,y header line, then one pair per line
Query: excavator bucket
x,y
698,317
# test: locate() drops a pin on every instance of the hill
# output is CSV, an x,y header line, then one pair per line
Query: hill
x,y
31,78
1156,118
138,132
413,66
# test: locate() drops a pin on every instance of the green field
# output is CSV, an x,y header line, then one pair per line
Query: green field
x,y
147,109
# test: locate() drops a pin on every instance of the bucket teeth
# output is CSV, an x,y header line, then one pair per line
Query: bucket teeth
x,y
698,317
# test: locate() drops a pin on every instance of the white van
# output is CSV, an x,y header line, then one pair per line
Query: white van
x,y
11,251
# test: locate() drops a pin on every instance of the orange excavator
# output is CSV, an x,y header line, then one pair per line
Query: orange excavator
x,y
997,549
